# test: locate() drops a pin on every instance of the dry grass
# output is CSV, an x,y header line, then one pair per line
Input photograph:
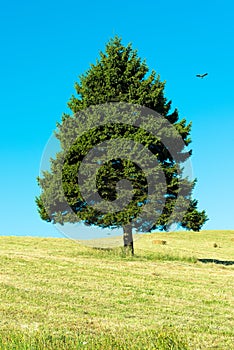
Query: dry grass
x,y
185,287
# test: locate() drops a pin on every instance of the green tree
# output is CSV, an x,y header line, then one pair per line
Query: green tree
x,y
118,78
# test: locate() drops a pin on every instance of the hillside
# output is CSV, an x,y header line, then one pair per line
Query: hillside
x,y
58,294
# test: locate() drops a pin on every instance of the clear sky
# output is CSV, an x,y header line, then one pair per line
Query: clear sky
x,y
46,45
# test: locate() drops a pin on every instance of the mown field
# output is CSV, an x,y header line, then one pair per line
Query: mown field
x,y
58,294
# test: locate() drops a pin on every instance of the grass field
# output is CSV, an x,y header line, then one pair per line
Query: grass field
x,y
57,294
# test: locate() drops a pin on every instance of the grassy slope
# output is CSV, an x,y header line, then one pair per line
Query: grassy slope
x,y
56,288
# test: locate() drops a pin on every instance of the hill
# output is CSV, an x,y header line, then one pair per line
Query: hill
x,y
175,293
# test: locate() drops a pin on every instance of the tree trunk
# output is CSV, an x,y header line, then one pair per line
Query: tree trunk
x,y
127,237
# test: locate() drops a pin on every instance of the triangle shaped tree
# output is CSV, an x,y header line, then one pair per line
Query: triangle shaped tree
x,y
119,79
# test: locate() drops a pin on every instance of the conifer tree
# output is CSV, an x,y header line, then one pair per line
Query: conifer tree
x,y
119,77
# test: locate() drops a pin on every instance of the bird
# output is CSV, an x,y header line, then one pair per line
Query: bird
x,y
201,75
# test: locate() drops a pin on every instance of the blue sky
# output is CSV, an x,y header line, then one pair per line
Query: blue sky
x,y
46,45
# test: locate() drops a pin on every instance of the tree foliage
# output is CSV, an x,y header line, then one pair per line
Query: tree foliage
x,y
119,75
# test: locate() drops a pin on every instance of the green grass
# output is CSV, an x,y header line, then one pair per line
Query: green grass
x,y
57,294
66,340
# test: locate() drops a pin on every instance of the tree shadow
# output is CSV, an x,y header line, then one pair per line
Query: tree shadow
x,y
216,261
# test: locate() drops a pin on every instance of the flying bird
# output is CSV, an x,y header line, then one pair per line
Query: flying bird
x,y
201,75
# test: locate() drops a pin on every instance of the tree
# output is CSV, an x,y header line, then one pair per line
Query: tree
x,y
120,85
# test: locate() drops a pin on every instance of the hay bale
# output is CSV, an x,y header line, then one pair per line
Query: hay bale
x,y
159,241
